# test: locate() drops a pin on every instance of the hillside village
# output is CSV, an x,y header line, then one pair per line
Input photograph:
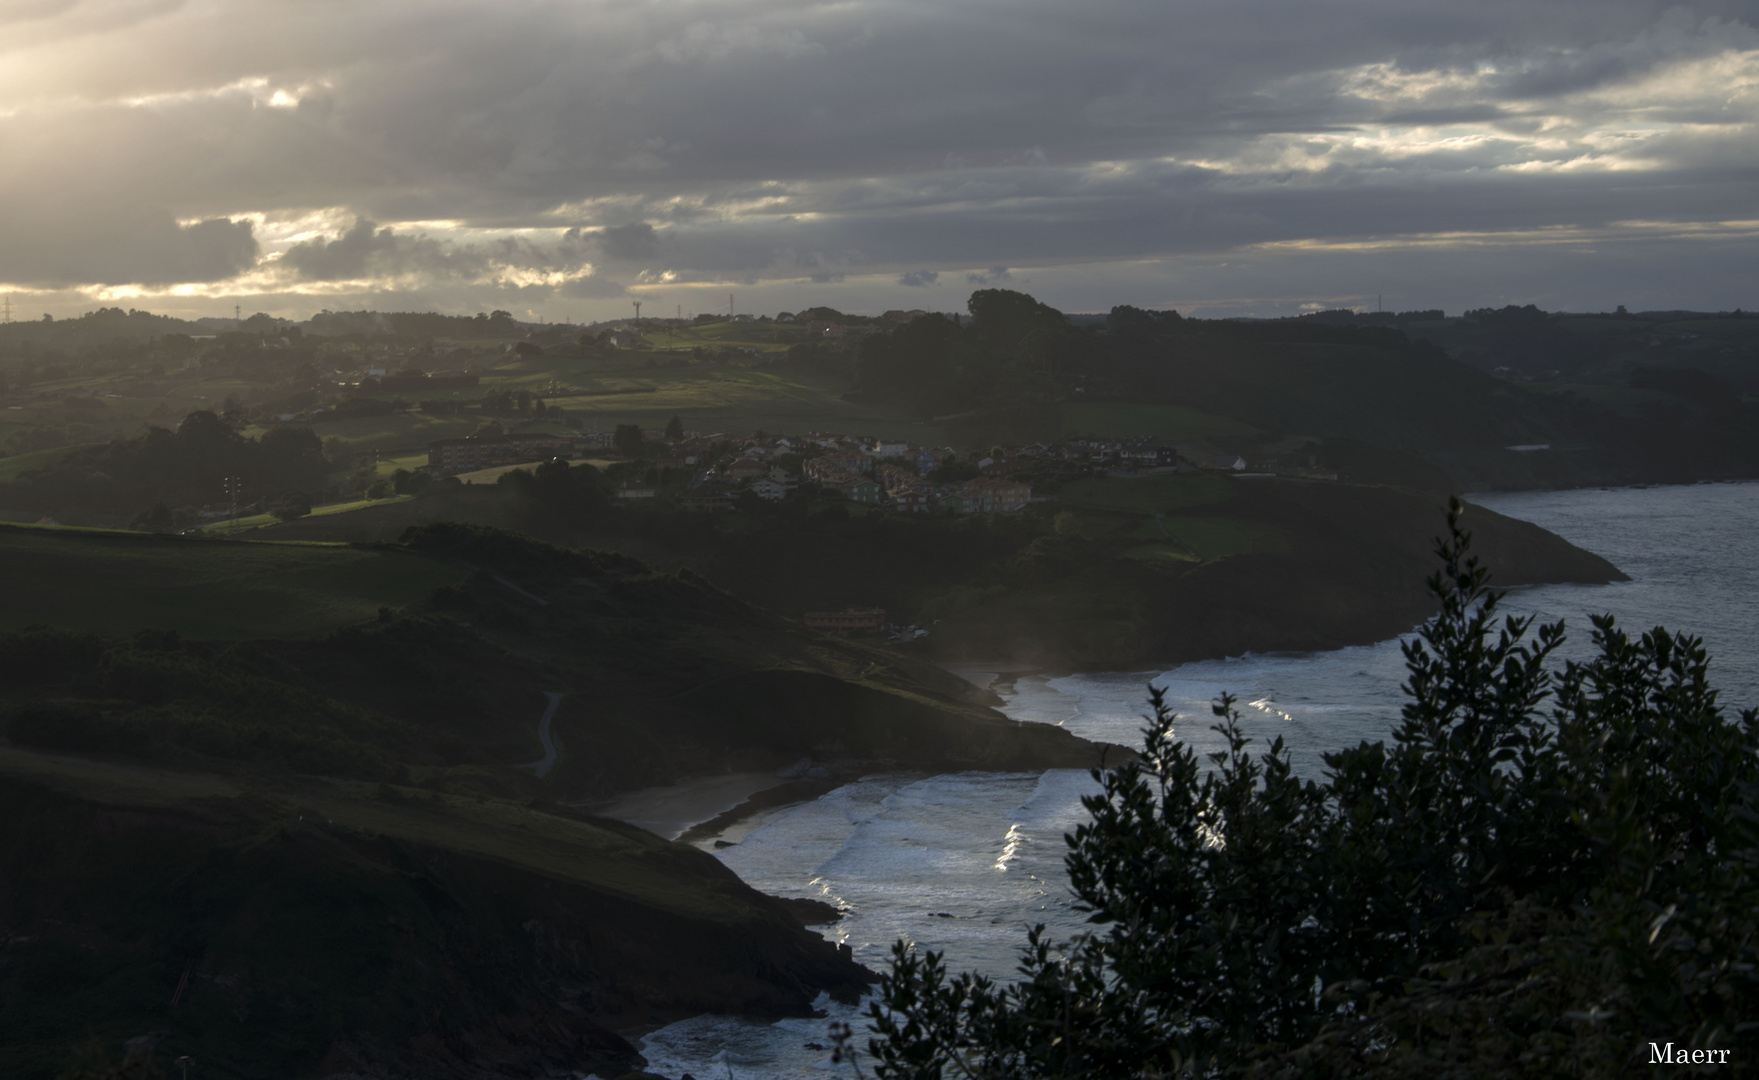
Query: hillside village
x,y
698,472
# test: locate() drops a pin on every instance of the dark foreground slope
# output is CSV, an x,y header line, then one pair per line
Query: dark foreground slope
x,y
659,676
307,928
330,853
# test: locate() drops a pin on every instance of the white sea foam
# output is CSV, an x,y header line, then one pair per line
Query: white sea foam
x,y
963,863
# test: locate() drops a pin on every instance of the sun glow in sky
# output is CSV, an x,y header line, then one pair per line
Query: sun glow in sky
x,y
560,159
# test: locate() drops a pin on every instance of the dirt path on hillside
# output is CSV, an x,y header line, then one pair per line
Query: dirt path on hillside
x,y
543,765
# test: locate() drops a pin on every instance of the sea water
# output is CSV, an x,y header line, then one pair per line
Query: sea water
x,y
965,863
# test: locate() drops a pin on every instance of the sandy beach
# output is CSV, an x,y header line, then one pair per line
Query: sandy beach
x,y
996,678
671,810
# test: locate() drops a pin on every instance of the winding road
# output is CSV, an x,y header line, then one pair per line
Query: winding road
x,y
543,765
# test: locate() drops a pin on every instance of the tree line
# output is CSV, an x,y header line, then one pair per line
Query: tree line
x,y
184,466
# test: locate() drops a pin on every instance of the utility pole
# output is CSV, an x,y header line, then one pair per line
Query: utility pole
x,y
729,305
7,317
238,314
234,486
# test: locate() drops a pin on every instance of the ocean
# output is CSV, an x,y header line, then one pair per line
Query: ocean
x,y
964,863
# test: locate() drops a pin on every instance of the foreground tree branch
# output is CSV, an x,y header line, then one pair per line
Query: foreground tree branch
x,y
1544,870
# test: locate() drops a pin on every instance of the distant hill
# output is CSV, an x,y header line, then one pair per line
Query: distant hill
x,y
97,327
1614,398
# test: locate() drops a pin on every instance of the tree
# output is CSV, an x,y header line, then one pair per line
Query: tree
x,y
1002,318
296,505
338,452
628,440
1546,869
157,519
927,365
184,467
675,427
406,482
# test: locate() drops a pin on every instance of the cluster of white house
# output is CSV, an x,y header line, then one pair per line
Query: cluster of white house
x,y
873,471
877,472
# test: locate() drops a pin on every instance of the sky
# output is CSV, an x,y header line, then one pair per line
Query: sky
x,y
563,159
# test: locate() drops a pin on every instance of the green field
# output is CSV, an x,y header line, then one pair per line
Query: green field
x,y
117,583
385,519
16,465
601,393
255,521
1168,534
1170,422
1146,495
762,336
733,399
495,472
1203,539
399,431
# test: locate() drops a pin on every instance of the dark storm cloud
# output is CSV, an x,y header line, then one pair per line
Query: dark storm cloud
x,y
454,146
629,242
100,245
591,288
344,257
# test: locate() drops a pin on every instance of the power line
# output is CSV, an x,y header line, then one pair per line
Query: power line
x,y
234,486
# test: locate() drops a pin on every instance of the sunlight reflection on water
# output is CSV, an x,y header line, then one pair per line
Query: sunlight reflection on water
x,y
964,863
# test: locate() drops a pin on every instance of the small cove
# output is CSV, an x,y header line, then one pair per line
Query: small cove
x,y
963,863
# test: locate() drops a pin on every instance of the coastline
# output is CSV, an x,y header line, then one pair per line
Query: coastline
x,y
670,810
715,811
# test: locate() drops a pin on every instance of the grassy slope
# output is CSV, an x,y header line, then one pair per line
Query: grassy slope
x,y
431,919
330,927
11,468
1245,564
1172,423
247,522
1391,399
117,583
732,398
1144,495
604,392
630,648
1277,566
385,520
